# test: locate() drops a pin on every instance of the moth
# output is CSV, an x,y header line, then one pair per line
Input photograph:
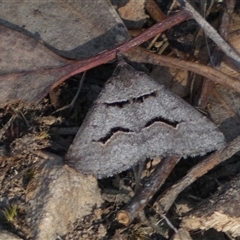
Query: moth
x,y
135,118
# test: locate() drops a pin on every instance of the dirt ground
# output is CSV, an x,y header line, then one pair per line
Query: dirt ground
x,y
27,130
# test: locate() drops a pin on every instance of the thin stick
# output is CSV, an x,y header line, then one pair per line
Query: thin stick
x,y
211,32
167,199
151,186
217,55
154,11
169,223
75,97
142,55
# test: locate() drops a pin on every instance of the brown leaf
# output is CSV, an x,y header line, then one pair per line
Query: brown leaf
x,y
25,67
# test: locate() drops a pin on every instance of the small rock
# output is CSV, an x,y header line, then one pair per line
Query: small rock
x,y
60,196
8,236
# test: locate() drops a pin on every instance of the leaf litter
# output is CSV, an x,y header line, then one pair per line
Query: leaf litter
x,y
14,164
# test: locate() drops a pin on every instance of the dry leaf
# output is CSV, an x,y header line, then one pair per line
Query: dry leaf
x,y
27,68
73,29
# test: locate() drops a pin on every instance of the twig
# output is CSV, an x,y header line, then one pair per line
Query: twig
x,y
166,199
154,11
211,32
217,55
169,223
151,186
142,55
75,97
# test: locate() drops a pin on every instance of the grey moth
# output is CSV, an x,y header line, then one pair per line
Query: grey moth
x,y
135,118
